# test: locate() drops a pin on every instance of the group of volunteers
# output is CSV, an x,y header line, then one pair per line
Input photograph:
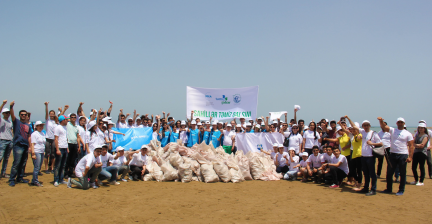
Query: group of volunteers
x,y
78,148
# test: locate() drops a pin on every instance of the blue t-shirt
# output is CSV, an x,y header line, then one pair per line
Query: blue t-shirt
x,y
173,137
215,135
206,137
164,140
193,137
21,132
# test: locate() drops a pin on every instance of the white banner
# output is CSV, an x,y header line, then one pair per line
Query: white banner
x,y
257,141
222,104
276,115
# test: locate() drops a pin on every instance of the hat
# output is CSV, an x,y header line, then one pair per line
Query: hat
x,y
338,128
275,122
214,123
422,125
110,122
193,122
104,146
297,107
327,120
91,124
280,145
400,119
199,123
62,118
220,122
144,147
275,144
238,126
104,125
305,154
357,124
295,125
229,125
291,148
105,119
120,148
5,110
98,147
242,117
248,124
138,118
82,117
259,118
257,126
422,121
207,122
365,121
38,123
129,118
183,123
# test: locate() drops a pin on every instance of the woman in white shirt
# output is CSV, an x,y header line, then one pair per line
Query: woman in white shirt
x,y
37,150
294,165
311,138
138,163
295,139
281,160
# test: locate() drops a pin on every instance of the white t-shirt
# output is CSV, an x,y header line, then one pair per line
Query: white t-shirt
x,y
385,138
227,137
273,155
310,139
303,164
61,132
294,141
281,160
88,160
344,165
184,136
316,161
155,135
399,140
120,161
38,138
327,158
94,141
138,159
50,125
104,159
101,136
367,149
139,126
293,164
82,133
109,134
87,137
121,125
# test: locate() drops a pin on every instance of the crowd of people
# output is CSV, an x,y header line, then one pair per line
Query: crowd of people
x,y
78,149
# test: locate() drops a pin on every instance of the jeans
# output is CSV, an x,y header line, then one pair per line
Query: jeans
x,y
318,175
123,170
282,169
381,160
109,172
368,167
419,158
83,181
71,159
136,172
37,163
290,175
20,154
59,166
5,150
397,161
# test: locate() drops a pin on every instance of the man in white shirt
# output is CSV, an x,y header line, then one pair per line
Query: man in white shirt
x,y
60,135
314,162
108,172
228,140
401,153
89,166
6,138
138,163
121,163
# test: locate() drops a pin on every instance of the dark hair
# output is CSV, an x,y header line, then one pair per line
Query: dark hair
x,y
333,122
21,111
122,115
301,120
335,148
314,129
292,120
315,147
52,111
72,114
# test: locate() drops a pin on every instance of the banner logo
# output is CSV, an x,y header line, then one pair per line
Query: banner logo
x,y
208,95
259,147
237,98
223,98
225,101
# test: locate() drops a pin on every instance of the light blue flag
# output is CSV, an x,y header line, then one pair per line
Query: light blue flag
x,y
134,138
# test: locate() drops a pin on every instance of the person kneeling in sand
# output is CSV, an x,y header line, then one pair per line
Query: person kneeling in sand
x,y
138,163
89,166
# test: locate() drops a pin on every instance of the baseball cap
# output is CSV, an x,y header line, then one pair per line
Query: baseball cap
x,y
220,122
193,122
207,122
104,146
248,124
275,122
422,125
144,147
120,148
199,123
291,149
129,118
38,123
62,118
295,125
242,117
214,123
258,126
259,118
305,154
357,124
91,124
338,128
401,119
183,123
110,122
365,121
229,125
238,126
5,110
280,145
98,146
275,144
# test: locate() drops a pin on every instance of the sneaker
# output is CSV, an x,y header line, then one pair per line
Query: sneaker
x,y
63,182
114,183
334,186
420,184
40,174
386,191
56,184
400,193
36,184
69,184
370,193
130,178
414,183
93,185
23,181
12,183
47,171
124,180
364,191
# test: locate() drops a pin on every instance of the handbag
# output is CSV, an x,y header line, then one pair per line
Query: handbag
x,y
286,142
380,151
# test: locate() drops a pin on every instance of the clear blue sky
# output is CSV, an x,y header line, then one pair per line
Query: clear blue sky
x,y
361,58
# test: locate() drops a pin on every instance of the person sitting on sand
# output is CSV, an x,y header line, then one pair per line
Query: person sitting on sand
x,y
337,169
293,162
314,162
138,163
281,160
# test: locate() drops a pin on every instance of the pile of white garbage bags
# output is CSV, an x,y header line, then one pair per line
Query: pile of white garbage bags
x,y
205,163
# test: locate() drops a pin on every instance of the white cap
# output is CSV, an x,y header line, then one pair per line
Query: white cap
x,y
105,119
257,126
104,125
229,125
129,118
138,118
357,124
422,125
275,122
110,122
305,154
207,122
401,119
199,124
242,117
297,107
144,147
238,126
259,118
214,123
280,145
58,113
295,125
5,110
38,123
120,148
220,122
275,144
69,114
292,148
327,120
338,128
98,146
105,145
193,122
183,123
404,125
248,124
91,124
365,121
422,121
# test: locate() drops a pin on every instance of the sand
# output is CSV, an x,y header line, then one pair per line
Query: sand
x,y
196,202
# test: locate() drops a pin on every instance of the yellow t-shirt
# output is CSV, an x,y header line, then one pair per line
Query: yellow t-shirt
x,y
357,146
343,141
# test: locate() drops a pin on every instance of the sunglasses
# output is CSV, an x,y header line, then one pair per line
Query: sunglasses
x,y
23,114
72,117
